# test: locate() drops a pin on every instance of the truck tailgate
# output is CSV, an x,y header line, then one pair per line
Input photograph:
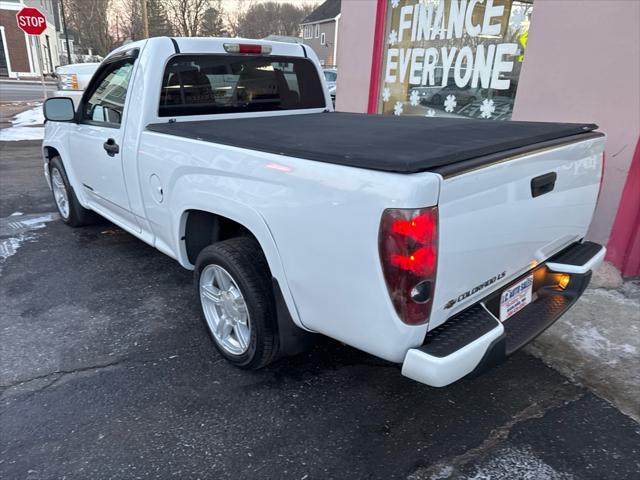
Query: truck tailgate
x,y
498,221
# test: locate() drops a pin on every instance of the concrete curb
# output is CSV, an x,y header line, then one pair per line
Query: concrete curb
x,y
9,81
597,344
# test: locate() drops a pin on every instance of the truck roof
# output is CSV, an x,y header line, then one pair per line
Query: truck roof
x,y
407,144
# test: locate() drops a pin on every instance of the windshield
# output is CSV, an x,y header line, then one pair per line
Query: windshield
x,y
330,76
210,84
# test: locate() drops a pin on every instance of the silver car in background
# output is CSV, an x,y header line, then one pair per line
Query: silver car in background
x,y
331,77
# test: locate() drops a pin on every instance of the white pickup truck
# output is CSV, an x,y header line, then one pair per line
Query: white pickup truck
x,y
443,245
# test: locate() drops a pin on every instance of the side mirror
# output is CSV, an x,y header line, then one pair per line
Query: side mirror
x,y
59,109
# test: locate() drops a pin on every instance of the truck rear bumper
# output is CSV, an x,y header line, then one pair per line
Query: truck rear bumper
x,y
474,340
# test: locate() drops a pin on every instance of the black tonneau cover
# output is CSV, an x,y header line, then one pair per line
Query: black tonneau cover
x,y
405,144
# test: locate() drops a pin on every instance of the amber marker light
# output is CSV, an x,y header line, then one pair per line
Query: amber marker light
x,y
563,280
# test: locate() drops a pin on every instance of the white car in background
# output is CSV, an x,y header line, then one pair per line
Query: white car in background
x,y
331,78
73,79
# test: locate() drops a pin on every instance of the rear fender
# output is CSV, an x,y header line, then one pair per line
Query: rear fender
x,y
245,216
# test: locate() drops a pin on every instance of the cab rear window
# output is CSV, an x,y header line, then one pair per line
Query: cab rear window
x,y
211,84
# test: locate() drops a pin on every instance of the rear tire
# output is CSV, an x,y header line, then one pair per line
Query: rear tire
x,y
233,285
70,210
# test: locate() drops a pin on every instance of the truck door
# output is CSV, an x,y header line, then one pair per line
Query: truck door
x,y
98,162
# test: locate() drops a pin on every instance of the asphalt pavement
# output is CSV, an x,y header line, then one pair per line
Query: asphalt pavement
x,y
106,371
24,91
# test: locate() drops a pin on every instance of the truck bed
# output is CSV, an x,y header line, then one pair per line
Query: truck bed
x,y
406,144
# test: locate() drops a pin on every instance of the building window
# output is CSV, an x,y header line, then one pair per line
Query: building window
x,y
322,39
317,30
452,58
308,31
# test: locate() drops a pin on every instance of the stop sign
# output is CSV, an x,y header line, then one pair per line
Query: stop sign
x,y
31,21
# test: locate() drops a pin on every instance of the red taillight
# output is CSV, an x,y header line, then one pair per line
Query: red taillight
x,y
418,228
248,48
408,243
421,262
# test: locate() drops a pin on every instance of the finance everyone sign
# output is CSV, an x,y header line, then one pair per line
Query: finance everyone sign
x,y
432,42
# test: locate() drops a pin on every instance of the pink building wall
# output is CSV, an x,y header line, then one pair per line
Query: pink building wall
x,y
355,50
582,64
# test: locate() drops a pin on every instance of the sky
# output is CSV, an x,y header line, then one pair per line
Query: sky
x,y
234,4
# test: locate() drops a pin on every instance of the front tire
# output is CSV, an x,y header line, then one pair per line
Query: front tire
x,y
233,285
70,210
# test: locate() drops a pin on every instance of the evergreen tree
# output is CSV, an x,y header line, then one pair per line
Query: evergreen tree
x,y
213,22
159,24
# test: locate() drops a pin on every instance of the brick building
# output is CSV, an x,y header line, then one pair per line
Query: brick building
x,y
19,52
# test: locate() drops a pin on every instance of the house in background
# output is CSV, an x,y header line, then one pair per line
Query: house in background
x,y
19,56
320,31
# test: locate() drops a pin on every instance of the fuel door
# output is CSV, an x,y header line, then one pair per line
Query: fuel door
x,y
157,192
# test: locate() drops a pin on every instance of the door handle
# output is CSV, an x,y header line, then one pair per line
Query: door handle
x,y
111,147
543,184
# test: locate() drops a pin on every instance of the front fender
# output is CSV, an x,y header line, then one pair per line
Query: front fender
x,y
56,137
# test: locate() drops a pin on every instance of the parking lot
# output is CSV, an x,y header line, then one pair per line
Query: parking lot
x,y
106,371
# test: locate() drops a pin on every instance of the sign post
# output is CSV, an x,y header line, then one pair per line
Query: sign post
x,y
32,22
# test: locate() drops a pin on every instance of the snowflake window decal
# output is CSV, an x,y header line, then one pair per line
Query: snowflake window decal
x,y
393,37
398,108
487,108
414,98
450,103
386,94
394,3
430,113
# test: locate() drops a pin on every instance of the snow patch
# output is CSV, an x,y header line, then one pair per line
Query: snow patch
x,y
444,473
613,296
591,341
520,463
26,125
33,116
17,229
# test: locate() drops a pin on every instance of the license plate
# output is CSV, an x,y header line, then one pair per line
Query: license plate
x,y
515,298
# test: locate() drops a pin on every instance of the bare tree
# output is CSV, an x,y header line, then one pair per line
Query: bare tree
x,y
129,21
90,20
233,16
128,18
187,15
271,18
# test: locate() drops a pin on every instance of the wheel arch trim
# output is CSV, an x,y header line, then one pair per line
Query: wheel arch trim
x,y
54,147
251,220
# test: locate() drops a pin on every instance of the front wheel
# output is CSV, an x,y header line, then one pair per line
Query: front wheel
x,y
70,210
233,285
